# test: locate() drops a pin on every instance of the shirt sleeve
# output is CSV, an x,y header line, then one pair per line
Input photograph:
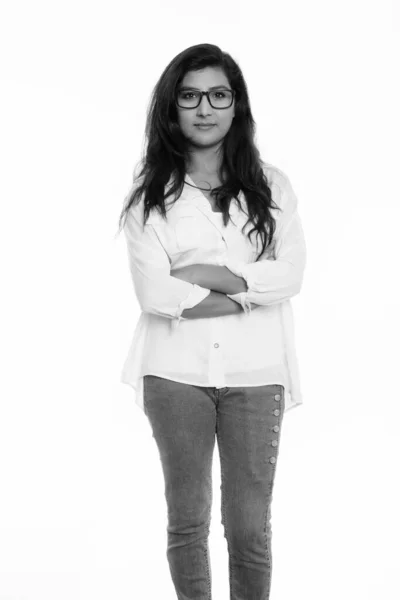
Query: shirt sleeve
x,y
156,290
273,279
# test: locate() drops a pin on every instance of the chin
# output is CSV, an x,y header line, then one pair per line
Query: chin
x,y
206,139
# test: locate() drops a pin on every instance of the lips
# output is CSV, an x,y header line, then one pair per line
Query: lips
x,y
204,125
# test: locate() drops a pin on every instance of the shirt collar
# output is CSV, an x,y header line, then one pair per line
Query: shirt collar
x,y
196,196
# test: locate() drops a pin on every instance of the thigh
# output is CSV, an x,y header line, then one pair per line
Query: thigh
x,y
183,420
249,421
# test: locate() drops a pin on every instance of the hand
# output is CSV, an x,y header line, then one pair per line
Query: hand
x,y
239,285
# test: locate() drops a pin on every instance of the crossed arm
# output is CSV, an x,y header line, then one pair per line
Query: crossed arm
x,y
221,281
212,277
163,292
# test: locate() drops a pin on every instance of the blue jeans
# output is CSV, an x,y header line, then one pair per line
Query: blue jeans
x,y
247,422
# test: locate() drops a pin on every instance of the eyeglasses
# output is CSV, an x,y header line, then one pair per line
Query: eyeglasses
x,y
217,98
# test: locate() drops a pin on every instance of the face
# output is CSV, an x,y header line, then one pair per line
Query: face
x,y
190,118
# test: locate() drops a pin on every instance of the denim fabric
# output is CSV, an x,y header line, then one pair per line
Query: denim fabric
x,y
247,424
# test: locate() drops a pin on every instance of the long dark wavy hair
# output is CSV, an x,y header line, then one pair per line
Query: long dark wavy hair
x,y
167,149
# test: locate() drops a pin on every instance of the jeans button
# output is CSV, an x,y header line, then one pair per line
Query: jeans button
x,y
276,412
272,459
276,428
277,397
274,443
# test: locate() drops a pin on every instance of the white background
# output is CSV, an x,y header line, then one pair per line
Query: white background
x,y
82,506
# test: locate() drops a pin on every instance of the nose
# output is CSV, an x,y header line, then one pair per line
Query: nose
x,y
204,107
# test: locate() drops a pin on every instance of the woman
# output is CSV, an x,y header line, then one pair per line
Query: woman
x,y
213,352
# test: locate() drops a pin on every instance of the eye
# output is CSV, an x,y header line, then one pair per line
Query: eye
x,y
186,95
220,94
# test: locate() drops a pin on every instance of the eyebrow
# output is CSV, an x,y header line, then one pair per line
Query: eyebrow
x,y
215,87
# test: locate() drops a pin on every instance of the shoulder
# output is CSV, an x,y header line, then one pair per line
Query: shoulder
x,y
275,175
281,187
137,182
136,209
175,209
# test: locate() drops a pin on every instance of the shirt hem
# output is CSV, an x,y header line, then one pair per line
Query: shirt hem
x,y
290,403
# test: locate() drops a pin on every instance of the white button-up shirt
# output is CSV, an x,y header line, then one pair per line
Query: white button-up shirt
x,y
251,348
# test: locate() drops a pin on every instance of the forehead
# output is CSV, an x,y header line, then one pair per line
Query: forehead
x,y
208,77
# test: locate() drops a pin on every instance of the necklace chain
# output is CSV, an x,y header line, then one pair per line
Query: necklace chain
x,y
200,188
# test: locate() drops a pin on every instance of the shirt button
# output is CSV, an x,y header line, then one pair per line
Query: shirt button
x,y
276,412
274,443
272,459
276,428
277,397
216,345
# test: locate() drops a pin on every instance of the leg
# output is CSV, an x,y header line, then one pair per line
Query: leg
x,y
248,431
183,420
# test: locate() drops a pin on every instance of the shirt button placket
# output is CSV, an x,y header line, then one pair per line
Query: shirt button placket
x,y
216,372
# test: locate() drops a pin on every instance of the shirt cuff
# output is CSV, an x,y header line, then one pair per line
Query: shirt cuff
x,y
248,273
196,295
242,298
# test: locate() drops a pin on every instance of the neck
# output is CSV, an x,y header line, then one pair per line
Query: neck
x,y
205,161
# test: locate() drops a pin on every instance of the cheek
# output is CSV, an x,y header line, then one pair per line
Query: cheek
x,y
226,123
184,121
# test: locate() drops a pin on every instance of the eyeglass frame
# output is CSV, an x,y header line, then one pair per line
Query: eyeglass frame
x,y
208,98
